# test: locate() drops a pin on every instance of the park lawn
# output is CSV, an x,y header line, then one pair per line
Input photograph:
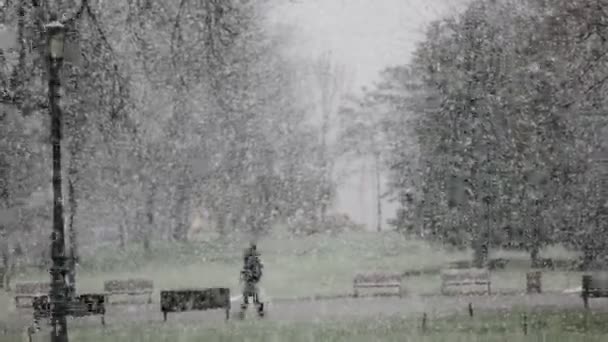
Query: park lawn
x,y
485,326
315,265
302,267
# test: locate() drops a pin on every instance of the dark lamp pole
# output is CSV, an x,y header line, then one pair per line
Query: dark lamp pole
x,y
58,293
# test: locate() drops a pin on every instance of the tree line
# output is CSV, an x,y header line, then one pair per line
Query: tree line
x,y
493,131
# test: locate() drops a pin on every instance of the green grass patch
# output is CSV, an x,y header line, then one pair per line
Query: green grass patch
x,y
488,326
320,264
305,266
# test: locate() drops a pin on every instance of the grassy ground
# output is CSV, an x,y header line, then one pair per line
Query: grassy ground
x,y
313,265
489,326
321,264
316,265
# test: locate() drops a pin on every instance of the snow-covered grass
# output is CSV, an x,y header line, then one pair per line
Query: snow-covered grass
x,y
487,326
303,266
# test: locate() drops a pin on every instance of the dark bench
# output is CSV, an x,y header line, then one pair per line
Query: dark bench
x,y
86,304
195,300
460,264
421,272
129,287
594,286
29,291
461,281
377,280
498,263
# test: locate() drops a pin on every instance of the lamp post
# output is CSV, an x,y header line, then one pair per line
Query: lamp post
x,y
58,294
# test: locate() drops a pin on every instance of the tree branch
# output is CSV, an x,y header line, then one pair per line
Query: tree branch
x,y
177,35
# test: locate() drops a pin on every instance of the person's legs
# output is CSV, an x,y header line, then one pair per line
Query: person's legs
x,y
257,302
248,291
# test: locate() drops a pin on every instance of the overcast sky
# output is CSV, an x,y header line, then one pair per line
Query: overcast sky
x,y
365,35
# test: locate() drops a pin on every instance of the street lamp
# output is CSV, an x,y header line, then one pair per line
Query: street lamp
x,y
58,294
56,39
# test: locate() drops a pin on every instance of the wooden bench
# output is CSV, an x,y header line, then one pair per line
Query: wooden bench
x,y
129,287
460,264
29,291
498,263
461,281
594,286
421,272
87,304
195,300
544,263
377,280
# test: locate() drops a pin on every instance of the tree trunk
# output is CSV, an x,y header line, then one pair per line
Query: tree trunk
x,y
589,255
480,240
221,224
324,204
535,243
480,254
147,230
122,235
123,226
534,256
535,246
4,204
5,277
378,193
182,214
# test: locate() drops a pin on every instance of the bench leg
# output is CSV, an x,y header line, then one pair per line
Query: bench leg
x,y
103,320
150,299
164,316
355,293
30,333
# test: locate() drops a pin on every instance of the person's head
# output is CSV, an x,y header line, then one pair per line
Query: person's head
x,y
252,246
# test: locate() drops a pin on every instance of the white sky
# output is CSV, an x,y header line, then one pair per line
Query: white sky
x,y
365,36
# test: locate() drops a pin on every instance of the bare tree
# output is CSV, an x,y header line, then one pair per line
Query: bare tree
x,y
330,79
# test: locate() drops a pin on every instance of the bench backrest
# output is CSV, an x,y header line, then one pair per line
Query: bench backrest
x,y
598,281
90,303
128,285
498,263
460,264
194,299
421,272
32,287
378,278
473,275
